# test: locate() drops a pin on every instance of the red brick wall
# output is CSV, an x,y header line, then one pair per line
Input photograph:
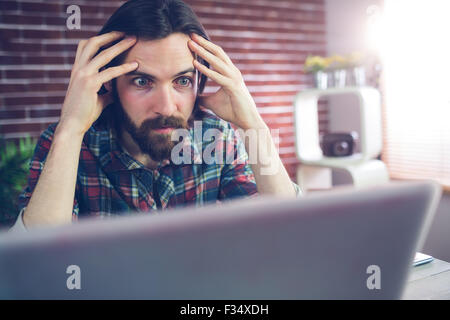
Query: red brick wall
x,y
267,40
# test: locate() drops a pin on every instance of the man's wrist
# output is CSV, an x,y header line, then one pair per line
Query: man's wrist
x,y
256,124
64,132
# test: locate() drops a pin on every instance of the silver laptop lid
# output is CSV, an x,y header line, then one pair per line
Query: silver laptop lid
x,y
347,244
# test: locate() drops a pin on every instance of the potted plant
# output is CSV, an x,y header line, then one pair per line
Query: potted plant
x,y
356,68
317,65
338,66
14,167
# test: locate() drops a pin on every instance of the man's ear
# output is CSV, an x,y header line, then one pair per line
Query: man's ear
x,y
108,86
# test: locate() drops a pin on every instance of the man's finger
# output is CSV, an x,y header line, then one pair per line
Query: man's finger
x,y
114,72
213,75
80,49
109,54
95,43
215,62
211,47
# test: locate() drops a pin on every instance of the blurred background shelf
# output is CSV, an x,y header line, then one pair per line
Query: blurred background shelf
x,y
314,172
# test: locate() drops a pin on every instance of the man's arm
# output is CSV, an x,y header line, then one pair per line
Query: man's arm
x,y
237,177
270,174
233,103
52,199
36,166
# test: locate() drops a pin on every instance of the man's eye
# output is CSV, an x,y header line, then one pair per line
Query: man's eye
x,y
140,82
184,81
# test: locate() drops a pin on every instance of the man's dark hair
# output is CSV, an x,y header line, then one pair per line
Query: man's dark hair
x,y
152,20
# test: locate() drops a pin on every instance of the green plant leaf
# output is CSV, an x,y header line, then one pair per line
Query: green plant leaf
x,y
14,168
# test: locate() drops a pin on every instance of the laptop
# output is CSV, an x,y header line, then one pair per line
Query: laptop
x,y
345,244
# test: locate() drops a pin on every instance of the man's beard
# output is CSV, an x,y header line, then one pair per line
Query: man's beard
x,y
157,145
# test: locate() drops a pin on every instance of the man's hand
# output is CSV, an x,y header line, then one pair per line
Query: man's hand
x,y
232,102
82,105
52,200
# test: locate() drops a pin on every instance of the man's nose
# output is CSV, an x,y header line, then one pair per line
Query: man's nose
x,y
165,104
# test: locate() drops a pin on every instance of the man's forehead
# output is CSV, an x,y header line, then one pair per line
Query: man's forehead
x,y
163,56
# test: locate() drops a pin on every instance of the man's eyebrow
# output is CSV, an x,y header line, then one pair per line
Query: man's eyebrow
x,y
140,73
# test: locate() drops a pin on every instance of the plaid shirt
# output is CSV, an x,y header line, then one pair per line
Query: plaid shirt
x,y
110,181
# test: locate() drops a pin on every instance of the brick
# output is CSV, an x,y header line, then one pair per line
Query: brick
x,y
270,104
259,62
40,87
43,7
274,94
10,59
6,34
268,16
24,127
45,113
60,47
24,74
41,34
58,74
108,11
9,5
280,42
22,19
287,145
274,10
261,29
79,34
10,88
44,60
55,100
278,72
92,9
69,60
93,21
12,114
56,21
291,168
277,125
268,83
24,101
20,47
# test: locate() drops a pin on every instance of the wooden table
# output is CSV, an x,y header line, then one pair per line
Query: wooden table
x,y
430,281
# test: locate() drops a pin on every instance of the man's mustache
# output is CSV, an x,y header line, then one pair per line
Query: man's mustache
x,y
162,122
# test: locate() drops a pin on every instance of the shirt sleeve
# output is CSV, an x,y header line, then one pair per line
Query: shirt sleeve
x,y
36,166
